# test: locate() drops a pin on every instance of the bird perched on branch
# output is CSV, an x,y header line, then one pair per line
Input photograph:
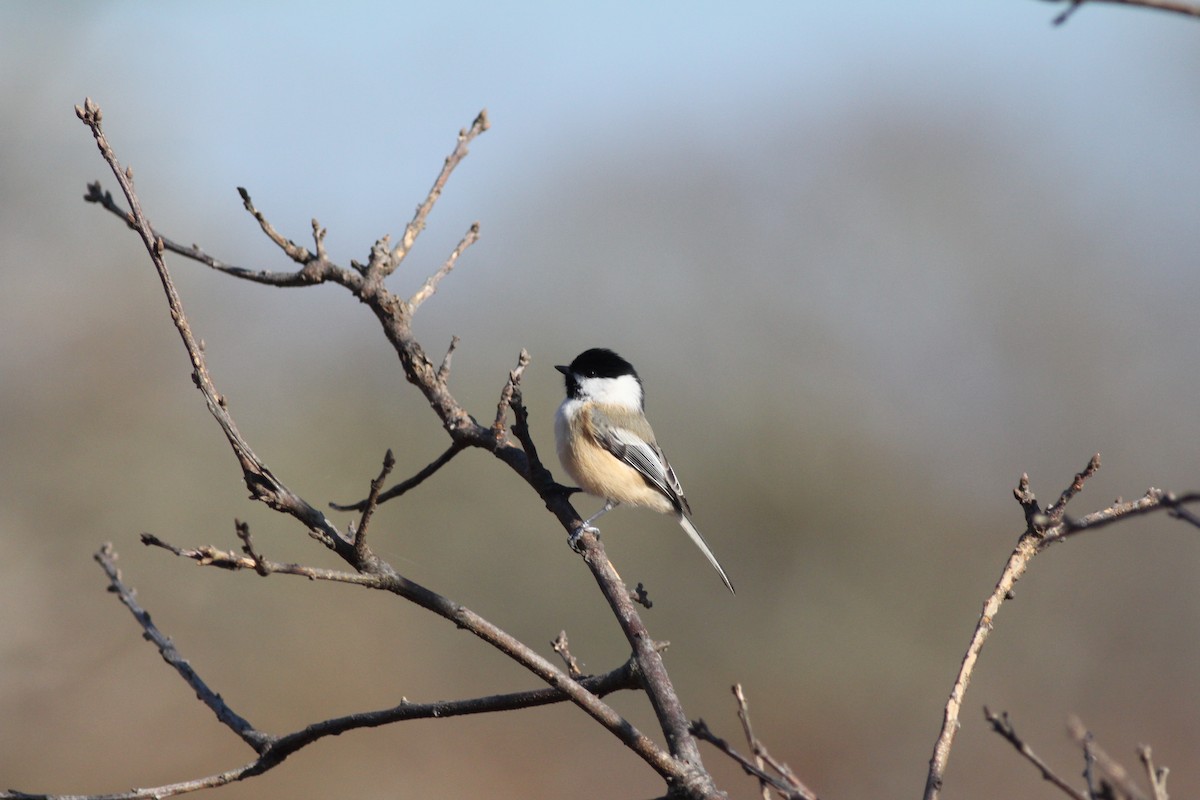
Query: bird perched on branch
x,y
607,446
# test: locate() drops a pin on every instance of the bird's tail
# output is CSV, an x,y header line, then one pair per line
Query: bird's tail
x,y
687,525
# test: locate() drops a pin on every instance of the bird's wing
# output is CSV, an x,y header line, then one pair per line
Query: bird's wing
x,y
633,443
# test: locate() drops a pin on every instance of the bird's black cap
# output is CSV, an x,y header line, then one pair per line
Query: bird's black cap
x,y
598,363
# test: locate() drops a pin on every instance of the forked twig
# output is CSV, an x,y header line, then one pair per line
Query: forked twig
x,y
411,483
1043,529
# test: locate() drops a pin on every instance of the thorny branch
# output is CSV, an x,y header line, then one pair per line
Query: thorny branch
x,y
681,766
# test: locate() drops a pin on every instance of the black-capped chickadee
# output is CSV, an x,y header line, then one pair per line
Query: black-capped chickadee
x,y
607,446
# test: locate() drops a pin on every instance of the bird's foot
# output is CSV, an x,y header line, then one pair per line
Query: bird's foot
x,y
573,539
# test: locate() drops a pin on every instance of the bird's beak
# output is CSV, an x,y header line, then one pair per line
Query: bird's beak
x,y
562,369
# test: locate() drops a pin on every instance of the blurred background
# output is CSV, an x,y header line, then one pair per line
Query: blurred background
x,y
873,261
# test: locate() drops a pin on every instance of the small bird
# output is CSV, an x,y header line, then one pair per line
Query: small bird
x,y
607,446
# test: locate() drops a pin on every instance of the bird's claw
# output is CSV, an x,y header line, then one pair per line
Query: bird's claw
x,y
574,538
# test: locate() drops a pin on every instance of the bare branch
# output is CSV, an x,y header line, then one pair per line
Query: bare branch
x,y
273,750
360,534
1152,500
454,449
1156,775
417,224
1113,771
431,283
1002,725
443,373
751,740
1056,511
1028,546
106,557
209,556
561,647
701,730
682,767
1018,562
511,386
293,251
316,271
243,533
1172,6
761,756
655,680
262,483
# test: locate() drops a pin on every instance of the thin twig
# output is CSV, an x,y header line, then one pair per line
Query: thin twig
x,y
295,252
511,386
751,740
314,272
701,730
106,557
1172,6
443,373
1156,775
1056,511
1153,500
243,533
1002,725
209,556
404,486
562,647
360,533
1114,771
417,224
431,283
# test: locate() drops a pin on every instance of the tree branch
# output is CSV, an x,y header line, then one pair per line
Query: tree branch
x,y
273,750
1172,6
404,486
702,731
681,768
267,488
1002,725
417,224
106,557
1115,773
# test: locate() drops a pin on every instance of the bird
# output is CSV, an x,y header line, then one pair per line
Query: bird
x,y
606,444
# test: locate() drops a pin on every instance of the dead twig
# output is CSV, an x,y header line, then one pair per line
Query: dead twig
x,y
701,731
1172,6
1002,725
106,557
1156,775
360,533
411,483
1114,773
